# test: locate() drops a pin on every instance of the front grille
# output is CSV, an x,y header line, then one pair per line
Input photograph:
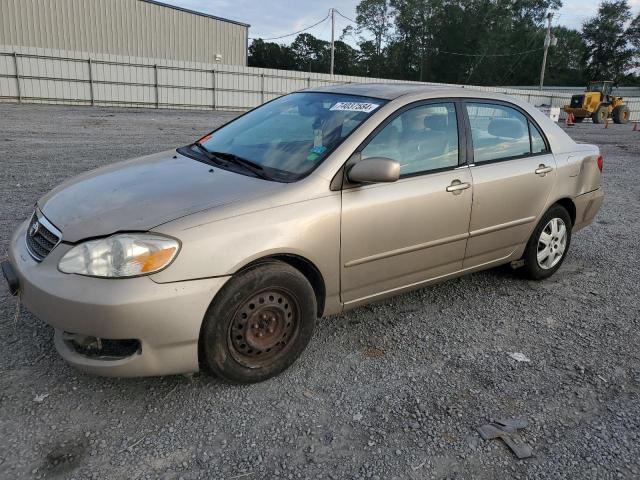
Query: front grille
x,y
41,237
577,101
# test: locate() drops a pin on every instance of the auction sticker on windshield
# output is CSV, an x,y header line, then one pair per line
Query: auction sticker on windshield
x,y
355,107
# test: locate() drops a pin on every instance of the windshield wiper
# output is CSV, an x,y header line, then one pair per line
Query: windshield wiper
x,y
253,167
211,157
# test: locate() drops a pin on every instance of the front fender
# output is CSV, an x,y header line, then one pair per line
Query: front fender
x,y
308,229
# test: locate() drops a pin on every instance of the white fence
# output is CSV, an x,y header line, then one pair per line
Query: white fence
x,y
35,75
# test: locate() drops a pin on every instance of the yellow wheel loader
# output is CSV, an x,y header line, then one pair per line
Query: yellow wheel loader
x,y
599,104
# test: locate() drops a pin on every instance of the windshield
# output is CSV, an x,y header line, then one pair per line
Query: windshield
x,y
288,137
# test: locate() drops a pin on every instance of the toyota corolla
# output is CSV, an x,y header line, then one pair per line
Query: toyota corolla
x,y
222,254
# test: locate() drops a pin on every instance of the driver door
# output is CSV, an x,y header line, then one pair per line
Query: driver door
x,y
396,236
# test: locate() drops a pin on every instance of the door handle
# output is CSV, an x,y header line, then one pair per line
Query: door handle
x,y
542,170
457,186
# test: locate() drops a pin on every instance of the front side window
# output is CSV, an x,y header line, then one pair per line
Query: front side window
x,y
421,139
290,136
498,132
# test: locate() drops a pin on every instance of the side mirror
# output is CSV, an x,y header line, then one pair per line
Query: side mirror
x,y
374,170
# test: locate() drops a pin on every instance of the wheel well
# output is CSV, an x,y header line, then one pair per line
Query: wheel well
x,y
304,266
570,207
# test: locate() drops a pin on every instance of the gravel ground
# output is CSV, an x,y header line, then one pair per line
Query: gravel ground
x,y
390,391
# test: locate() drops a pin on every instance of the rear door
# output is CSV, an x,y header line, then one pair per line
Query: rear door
x,y
398,235
513,174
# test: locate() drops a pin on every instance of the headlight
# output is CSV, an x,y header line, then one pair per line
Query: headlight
x,y
123,255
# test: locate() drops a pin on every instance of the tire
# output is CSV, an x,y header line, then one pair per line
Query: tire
x,y
539,267
578,119
601,114
258,324
621,114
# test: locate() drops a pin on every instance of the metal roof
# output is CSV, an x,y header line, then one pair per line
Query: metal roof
x,y
194,12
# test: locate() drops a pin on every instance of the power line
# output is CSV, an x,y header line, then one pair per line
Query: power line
x,y
490,55
534,37
345,17
291,34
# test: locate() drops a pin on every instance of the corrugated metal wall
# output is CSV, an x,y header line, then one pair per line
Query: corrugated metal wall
x,y
122,27
36,75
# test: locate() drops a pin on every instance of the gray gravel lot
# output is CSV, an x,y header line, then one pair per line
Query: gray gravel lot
x,y
393,390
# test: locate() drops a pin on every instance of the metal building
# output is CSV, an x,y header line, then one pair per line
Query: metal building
x,y
137,28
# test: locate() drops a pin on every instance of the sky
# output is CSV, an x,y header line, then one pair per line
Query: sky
x,y
272,18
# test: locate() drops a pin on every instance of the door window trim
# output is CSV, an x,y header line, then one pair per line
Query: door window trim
x,y
462,141
530,121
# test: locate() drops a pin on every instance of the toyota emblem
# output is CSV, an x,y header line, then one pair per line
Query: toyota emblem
x,y
33,229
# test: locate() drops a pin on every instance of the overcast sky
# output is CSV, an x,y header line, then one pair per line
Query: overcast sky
x,y
271,18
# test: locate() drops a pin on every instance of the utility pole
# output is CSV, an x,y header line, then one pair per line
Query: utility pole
x,y
547,42
333,37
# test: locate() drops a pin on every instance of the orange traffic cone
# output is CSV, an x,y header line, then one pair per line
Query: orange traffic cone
x,y
606,123
569,121
635,126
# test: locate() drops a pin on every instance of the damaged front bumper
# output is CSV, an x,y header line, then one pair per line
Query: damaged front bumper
x,y
149,328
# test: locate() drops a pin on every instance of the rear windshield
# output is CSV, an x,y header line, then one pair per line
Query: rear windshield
x,y
293,134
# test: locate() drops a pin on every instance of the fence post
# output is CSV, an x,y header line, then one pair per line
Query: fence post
x,y
213,73
308,82
262,88
15,63
91,84
155,77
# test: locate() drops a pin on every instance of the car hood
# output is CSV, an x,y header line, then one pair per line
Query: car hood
x,y
140,194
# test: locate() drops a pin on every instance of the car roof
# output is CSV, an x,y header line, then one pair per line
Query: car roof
x,y
391,91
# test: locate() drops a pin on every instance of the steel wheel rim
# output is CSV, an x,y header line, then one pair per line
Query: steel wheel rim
x,y
552,243
264,328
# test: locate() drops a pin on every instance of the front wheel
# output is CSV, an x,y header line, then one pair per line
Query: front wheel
x,y
548,245
601,114
259,323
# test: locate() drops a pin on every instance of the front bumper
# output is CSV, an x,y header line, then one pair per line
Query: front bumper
x,y
164,318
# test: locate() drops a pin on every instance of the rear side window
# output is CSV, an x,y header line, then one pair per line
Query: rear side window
x,y
421,139
499,132
537,140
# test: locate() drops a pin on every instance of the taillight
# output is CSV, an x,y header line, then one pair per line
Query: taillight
x,y
600,162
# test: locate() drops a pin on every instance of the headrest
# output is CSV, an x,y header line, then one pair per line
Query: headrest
x,y
436,122
506,128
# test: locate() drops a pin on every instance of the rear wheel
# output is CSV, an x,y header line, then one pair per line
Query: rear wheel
x,y
548,245
621,114
259,324
601,114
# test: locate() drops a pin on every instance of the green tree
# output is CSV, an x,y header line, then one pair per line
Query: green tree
x,y
460,41
565,65
633,35
347,59
609,55
311,54
270,55
375,16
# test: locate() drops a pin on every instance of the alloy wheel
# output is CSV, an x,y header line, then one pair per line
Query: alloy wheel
x,y
552,243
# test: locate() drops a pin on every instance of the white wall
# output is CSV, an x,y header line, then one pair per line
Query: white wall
x,y
55,76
